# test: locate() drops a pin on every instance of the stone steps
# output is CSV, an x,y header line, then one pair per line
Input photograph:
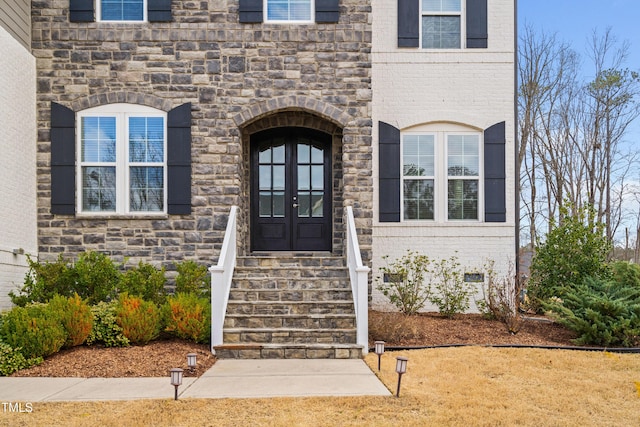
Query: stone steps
x,y
290,306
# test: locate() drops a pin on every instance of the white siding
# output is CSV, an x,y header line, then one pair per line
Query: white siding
x,y
472,87
17,163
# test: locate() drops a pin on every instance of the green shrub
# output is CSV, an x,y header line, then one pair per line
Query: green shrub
x,y
188,316
450,293
144,281
193,277
94,277
403,282
44,280
139,319
625,274
36,330
97,277
12,360
76,318
105,328
573,250
602,312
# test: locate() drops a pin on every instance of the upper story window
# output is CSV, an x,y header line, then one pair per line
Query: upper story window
x,y
122,160
122,10
441,176
441,24
289,10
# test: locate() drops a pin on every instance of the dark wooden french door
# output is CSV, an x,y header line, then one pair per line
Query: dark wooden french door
x,y
291,190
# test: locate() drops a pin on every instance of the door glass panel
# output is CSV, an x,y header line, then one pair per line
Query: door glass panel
x,y
317,156
278,177
265,156
317,177
278,151
303,205
265,204
303,178
265,177
303,153
317,204
278,204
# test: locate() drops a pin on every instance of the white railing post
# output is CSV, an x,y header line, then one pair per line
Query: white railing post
x,y
221,276
358,275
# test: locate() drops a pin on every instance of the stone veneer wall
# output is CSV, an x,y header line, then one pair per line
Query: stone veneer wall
x,y
235,75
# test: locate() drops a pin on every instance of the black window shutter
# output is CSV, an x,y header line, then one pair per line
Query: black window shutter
x,y
477,24
63,160
327,11
81,11
250,11
179,160
389,172
408,23
159,10
495,208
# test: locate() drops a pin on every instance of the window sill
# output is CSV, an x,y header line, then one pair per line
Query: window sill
x,y
110,215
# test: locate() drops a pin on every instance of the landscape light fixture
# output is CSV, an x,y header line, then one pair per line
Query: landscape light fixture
x,y
191,362
379,350
176,379
401,368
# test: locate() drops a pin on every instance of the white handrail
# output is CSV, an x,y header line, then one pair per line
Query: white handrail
x,y
221,275
358,276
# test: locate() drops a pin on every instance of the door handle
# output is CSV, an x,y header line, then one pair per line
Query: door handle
x,y
295,205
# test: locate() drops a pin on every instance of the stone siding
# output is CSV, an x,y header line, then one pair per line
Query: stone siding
x,y
234,75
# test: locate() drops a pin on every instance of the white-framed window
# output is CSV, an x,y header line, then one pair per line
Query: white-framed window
x,y
463,176
442,24
290,11
441,175
121,163
121,10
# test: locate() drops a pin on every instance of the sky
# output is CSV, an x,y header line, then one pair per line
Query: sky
x,y
575,20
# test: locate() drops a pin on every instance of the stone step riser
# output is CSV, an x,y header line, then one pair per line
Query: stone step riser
x,y
276,309
302,262
290,273
287,284
289,337
290,296
288,322
289,353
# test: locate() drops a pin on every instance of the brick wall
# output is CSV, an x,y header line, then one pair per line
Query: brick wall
x,y
234,75
17,164
469,87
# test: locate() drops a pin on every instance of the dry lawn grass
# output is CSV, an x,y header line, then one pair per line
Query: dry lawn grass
x,y
446,386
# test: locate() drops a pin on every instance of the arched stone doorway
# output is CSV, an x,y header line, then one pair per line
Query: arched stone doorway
x,y
292,183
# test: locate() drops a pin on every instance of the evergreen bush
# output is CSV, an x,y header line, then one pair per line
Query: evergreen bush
x,y
193,277
573,250
76,318
188,316
36,330
97,277
144,281
139,319
44,280
602,312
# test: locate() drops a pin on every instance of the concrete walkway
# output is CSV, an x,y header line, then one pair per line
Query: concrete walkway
x,y
226,379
